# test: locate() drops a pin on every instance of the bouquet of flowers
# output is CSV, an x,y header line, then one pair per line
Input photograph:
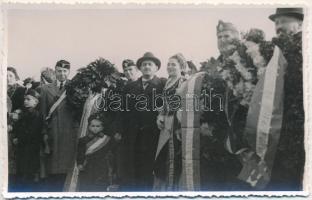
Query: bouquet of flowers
x,y
214,104
243,67
210,66
94,77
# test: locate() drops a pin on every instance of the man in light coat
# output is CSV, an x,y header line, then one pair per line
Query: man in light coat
x,y
61,128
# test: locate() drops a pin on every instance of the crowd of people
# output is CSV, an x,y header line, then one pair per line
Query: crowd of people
x,y
249,136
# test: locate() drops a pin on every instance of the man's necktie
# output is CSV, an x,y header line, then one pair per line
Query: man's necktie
x,y
145,84
61,85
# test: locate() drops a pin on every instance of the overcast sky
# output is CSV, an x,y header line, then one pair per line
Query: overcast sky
x,y
38,38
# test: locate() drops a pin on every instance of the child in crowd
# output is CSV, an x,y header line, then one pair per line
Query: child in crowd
x,y
95,158
27,140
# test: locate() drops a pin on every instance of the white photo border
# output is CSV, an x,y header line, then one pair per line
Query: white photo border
x,y
307,74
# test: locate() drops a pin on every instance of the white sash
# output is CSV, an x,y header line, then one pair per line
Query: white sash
x,y
101,142
267,102
88,109
55,105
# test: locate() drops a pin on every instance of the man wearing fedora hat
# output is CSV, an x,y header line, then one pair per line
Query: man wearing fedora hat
x,y
287,171
288,20
140,132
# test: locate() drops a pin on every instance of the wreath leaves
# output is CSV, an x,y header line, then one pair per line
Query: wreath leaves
x,y
92,78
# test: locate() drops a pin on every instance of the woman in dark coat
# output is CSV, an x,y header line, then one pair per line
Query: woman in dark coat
x,y
15,99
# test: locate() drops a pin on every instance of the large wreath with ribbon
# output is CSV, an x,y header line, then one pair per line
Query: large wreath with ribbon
x,y
97,75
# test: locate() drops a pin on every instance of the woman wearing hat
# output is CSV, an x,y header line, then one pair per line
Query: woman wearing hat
x,y
14,90
30,83
167,166
47,76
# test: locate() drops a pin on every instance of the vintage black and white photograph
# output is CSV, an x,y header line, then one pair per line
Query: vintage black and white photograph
x,y
147,98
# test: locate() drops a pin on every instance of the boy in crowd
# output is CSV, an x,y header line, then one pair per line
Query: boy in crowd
x,y
95,157
27,139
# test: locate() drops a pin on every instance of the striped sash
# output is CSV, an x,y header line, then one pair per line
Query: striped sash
x,y
96,144
264,122
165,133
190,125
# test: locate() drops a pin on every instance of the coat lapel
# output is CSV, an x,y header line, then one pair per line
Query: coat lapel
x,y
55,89
152,84
139,85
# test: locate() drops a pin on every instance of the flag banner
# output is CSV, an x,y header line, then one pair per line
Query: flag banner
x,y
190,125
264,122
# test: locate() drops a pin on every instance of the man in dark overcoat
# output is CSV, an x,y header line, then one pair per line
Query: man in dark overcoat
x,y
288,167
132,73
140,132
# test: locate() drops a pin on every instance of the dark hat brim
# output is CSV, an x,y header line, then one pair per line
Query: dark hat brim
x,y
290,14
154,59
